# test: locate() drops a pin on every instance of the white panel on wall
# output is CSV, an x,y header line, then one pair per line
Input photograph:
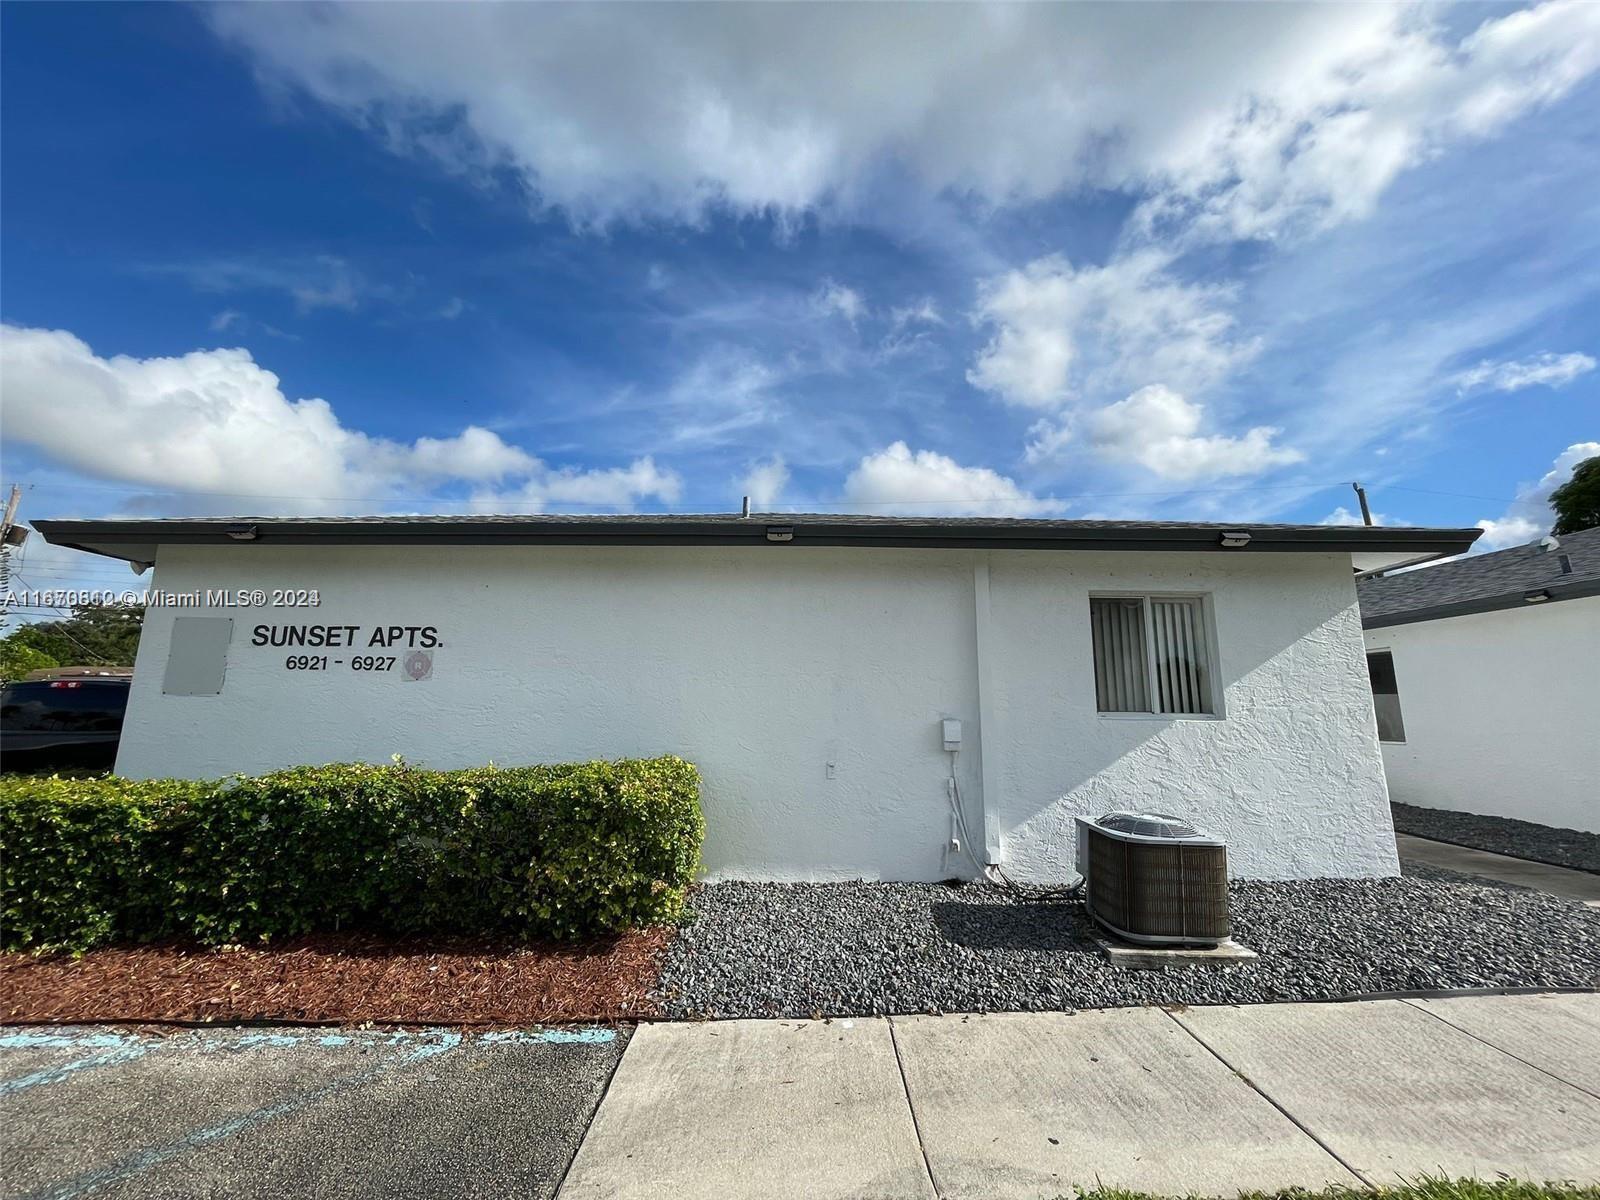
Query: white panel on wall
x,y
197,656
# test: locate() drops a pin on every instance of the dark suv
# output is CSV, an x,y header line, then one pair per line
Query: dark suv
x,y
63,721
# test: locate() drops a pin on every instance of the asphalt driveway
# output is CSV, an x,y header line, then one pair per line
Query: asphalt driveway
x,y
244,1113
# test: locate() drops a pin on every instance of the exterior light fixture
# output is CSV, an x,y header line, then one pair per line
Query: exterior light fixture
x,y
241,533
780,533
1235,538
1539,596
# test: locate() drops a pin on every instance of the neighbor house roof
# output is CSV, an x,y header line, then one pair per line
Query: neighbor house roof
x,y
1514,578
137,540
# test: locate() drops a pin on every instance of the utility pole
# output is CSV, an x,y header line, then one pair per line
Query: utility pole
x,y
1361,495
11,515
11,534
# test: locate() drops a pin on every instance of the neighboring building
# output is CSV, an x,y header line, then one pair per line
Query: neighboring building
x,y
1486,679
810,665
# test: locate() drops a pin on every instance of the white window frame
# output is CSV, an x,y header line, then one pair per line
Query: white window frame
x,y
1208,633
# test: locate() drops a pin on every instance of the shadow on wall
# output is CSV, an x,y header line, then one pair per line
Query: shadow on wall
x,y
1276,777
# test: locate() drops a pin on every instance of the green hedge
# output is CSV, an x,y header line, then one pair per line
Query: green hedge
x,y
564,851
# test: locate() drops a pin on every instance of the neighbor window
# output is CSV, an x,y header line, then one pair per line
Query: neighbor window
x,y
1150,655
1385,696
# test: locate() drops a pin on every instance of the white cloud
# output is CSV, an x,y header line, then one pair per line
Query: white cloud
x,y
1047,441
474,453
1343,516
616,487
897,481
1509,531
1125,323
1512,375
613,488
1388,90
720,398
922,312
452,308
216,421
765,482
1529,516
337,291
225,319
835,299
1294,117
1158,429
912,328
323,281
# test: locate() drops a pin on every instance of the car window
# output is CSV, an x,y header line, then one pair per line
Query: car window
x,y
63,707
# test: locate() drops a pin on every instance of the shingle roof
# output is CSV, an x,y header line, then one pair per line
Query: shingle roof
x,y
730,520
1484,582
136,539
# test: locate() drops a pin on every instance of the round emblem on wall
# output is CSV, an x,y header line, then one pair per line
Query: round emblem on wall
x,y
419,664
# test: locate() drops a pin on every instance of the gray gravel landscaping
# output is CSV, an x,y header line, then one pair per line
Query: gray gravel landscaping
x,y
858,949
1502,835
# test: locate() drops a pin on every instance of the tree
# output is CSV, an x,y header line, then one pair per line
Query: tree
x,y
1577,501
95,635
17,660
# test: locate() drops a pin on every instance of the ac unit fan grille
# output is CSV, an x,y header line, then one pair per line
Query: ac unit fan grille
x,y
1161,892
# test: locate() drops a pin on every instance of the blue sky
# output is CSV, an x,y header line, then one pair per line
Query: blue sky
x,y
1204,262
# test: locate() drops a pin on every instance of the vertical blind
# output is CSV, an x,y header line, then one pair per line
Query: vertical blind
x,y
1179,656
1121,683
1150,656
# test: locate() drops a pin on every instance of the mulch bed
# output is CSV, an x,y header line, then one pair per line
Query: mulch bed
x,y
350,979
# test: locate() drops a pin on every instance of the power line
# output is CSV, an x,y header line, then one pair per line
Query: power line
x,y
94,659
91,568
1396,487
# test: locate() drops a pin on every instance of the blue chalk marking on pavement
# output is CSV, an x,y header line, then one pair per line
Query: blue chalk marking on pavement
x,y
586,1037
438,1042
110,1050
32,1040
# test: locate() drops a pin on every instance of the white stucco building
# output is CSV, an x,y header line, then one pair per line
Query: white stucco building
x,y
1486,677
811,666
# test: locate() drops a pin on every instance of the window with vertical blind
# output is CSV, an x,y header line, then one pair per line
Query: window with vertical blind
x,y
1150,655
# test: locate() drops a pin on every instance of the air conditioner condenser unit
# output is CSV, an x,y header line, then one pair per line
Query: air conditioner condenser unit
x,y
1154,879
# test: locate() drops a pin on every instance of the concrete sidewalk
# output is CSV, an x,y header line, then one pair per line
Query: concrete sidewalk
x,y
1203,1100
1521,872
1207,1100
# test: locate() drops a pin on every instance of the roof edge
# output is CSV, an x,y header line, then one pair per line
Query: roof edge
x,y
1555,592
105,536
